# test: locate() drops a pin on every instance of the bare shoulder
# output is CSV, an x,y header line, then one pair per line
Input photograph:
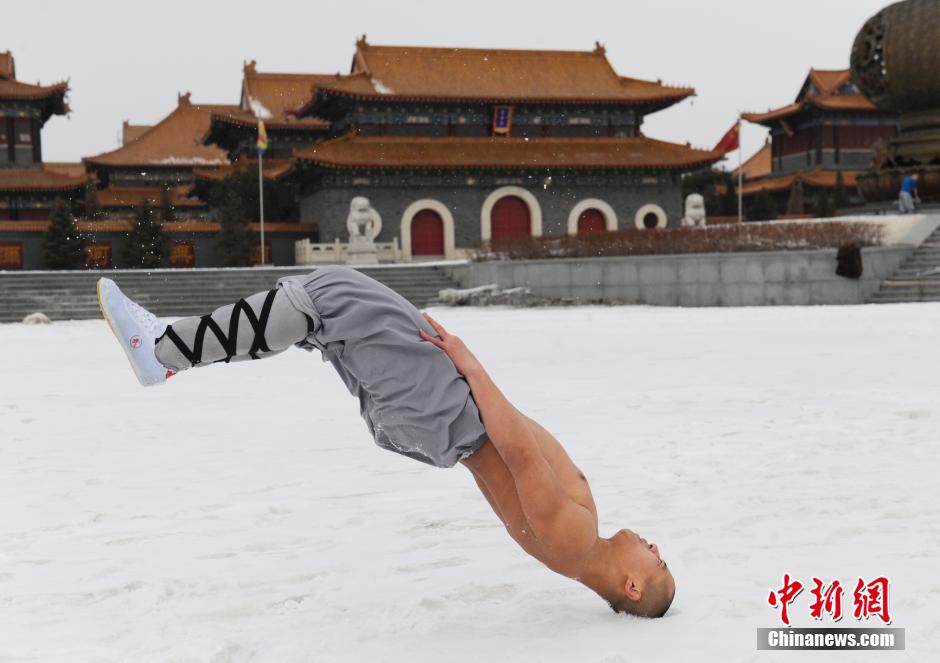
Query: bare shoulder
x,y
570,477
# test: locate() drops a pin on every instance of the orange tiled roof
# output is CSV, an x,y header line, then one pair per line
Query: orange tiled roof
x,y
248,119
824,179
131,132
273,169
420,73
173,141
72,169
7,65
40,179
352,151
277,93
823,88
10,88
119,196
758,165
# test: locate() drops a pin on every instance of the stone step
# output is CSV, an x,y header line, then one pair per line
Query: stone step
x,y
72,295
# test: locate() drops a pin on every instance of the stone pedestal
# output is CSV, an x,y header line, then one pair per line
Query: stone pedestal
x,y
362,251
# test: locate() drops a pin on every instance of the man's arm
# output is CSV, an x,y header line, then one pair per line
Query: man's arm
x,y
542,499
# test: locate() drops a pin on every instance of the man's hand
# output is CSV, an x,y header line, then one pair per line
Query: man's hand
x,y
464,361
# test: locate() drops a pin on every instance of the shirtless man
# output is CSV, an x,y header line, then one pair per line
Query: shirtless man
x,y
414,382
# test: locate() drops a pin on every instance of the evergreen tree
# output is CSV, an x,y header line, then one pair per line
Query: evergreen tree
x,y
796,204
761,207
90,206
146,244
63,247
823,206
233,243
167,210
840,195
729,200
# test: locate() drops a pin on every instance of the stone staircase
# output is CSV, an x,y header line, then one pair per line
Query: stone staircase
x,y
918,279
182,292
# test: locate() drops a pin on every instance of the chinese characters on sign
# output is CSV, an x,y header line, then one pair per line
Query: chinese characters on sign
x,y
502,120
868,599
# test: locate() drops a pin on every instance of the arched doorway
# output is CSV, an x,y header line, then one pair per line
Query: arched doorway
x,y
650,216
591,221
427,234
510,218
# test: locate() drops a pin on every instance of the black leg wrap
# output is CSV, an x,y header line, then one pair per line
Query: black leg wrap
x,y
228,342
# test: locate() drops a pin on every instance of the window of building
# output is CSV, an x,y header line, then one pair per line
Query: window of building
x,y
98,255
11,254
182,254
23,131
255,257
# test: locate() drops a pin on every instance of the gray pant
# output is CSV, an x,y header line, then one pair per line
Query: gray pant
x,y
905,203
411,397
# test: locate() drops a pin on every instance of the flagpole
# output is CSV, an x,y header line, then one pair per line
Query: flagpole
x,y
261,199
740,174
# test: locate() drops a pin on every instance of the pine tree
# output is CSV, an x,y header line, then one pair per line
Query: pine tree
x,y
146,244
840,195
761,207
796,204
823,206
233,243
167,210
90,206
63,247
729,201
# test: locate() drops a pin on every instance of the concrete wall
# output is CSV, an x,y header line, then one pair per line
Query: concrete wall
x,y
712,279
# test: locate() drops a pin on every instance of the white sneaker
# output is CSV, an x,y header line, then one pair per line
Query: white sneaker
x,y
136,329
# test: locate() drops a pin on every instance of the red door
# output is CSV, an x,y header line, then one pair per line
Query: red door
x,y
510,218
591,221
427,234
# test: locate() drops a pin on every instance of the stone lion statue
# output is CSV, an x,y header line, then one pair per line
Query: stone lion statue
x,y
694,211
363,222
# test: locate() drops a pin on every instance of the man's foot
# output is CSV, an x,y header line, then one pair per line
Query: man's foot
x,y
136,329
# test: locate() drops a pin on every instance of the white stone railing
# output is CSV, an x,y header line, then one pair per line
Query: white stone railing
x,y
311,253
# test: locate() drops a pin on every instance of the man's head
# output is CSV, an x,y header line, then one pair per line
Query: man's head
x,y
916,176
643,584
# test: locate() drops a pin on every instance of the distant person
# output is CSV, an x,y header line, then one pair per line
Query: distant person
x,y
909,196
422,394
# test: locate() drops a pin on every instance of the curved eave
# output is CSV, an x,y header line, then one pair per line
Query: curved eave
x,y
322,96
65,185
769,118
506,167
91,161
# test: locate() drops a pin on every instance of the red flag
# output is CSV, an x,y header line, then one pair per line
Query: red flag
x,y
731,140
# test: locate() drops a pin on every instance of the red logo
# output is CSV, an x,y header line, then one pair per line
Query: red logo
x,y
135,341
868,599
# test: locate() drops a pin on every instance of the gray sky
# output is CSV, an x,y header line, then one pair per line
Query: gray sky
x,y
128,59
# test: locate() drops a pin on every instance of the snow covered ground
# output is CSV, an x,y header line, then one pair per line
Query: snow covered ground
x,y
241,513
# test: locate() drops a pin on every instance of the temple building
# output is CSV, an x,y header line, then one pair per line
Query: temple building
x,y
29,186
830,128
171,154
454,147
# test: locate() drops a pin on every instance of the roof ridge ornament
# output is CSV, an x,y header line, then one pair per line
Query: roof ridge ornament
x,y
250,67
183,99
599,48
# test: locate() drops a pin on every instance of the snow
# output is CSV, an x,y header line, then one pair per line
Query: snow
x,y
240,513
190,161
258,109
381,88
